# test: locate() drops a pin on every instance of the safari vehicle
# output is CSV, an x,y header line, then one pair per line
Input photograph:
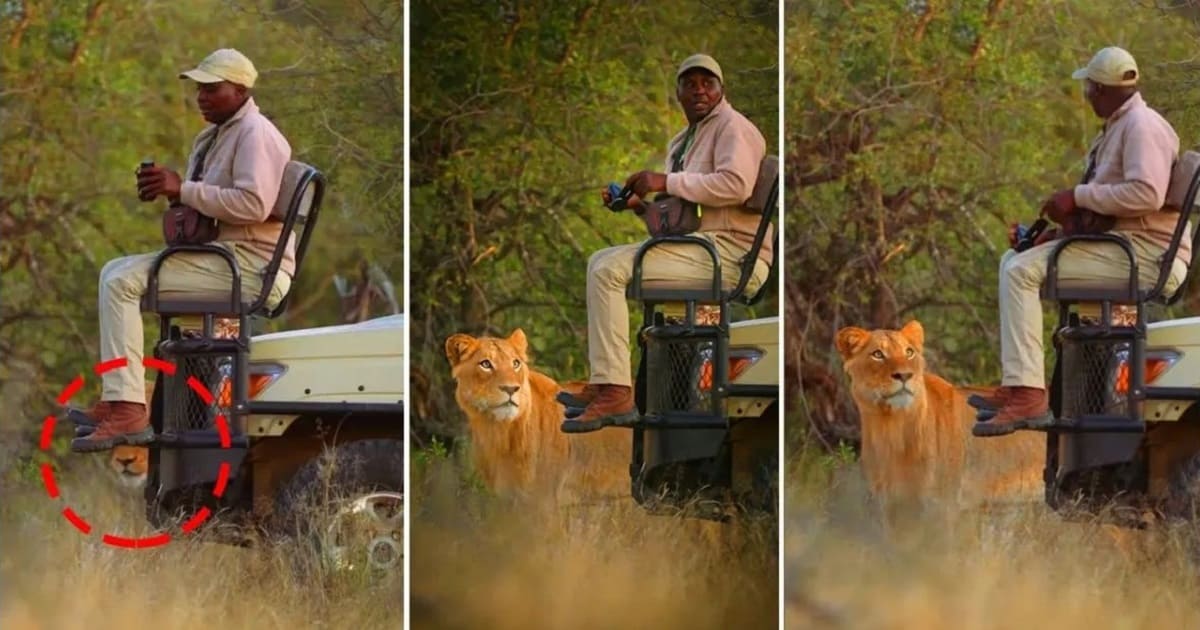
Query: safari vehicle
x,y
245,427
1125,392
707,390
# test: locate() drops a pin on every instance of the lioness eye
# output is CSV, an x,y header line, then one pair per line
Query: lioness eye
x,y
516,364
910,352
878,354
485,364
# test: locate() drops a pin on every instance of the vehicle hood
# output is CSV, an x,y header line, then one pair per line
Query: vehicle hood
x,y
382,336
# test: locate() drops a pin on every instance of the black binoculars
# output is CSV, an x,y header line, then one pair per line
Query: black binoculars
x,y
141,167
619,197
1027,236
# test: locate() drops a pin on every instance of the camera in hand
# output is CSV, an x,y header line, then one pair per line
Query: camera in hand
x,y
141,167
618,197
1026,237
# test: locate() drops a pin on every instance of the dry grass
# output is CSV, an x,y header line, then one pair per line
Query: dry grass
x,y
482,561
54,577
1019,567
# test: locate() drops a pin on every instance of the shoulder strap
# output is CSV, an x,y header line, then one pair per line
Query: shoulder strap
x,y
677,159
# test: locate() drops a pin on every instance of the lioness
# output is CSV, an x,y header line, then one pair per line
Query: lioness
x,y
130,464
916,428
514,424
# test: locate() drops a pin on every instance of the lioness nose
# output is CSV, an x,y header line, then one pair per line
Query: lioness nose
x,y
510,389
125,461
902,376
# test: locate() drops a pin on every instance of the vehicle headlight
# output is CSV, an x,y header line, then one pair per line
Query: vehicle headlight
x,y
1157,363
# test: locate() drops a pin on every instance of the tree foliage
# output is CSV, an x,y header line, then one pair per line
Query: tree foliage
x,y
521,113
916,132
90,88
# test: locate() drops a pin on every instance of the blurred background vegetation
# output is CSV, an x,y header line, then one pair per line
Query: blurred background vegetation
x,y
521,113
88,88
916,132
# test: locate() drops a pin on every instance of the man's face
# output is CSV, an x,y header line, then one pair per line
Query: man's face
x,y
698,92
219,101
1092,92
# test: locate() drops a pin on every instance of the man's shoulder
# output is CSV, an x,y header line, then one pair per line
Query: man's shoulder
x,y
734,120
254,122
1148,117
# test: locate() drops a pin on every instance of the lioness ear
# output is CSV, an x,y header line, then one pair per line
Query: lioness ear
x,y
519,342
915,333
851,339
459,346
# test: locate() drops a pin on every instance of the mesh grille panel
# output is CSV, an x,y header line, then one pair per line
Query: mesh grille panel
x,y
183,407
679,375
1091,369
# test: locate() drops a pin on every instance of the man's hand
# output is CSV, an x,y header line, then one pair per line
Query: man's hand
x,y
158,180
633,202
646,182
1059,206
1046,236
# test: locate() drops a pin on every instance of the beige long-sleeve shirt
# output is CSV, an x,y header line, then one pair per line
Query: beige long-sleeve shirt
x,y
243,170
1134,156
719,171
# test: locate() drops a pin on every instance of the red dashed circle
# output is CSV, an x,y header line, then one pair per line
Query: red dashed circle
x,y
161,538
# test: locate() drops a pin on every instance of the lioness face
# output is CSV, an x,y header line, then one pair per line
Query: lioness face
x,y
491,373
130,464
886,367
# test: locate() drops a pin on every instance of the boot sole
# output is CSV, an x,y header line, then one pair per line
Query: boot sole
x,y
987,428
571,425
88,445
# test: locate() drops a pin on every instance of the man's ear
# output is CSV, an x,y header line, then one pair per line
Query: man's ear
x,y
459,346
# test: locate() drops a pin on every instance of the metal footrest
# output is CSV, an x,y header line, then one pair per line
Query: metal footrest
x,y
197,438
682,420
1095,424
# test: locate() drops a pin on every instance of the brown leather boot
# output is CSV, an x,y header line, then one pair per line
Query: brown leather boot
x,y
612,406
1026,408
118,422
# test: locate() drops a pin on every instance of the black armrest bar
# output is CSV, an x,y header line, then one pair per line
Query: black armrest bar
x,y
317,179
235,299
636,284
1052,290
1168,260
760,235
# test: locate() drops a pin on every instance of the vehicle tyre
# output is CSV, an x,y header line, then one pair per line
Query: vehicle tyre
x,y
346,506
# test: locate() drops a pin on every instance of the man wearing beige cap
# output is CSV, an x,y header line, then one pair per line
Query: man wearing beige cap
x,y
1129,169
233,175
713,162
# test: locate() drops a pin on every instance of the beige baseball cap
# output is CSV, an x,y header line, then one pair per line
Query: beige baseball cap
x,y
1109,67
701,61
225,64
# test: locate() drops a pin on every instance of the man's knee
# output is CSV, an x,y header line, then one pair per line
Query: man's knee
x,y
119,278
1025,271
606,268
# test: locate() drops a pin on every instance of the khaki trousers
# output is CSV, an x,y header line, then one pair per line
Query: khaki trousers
x,y
123,283
1021,278
610,272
